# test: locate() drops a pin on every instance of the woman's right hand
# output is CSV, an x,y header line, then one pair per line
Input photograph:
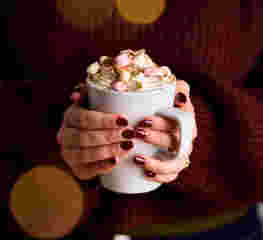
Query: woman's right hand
x,y
92,142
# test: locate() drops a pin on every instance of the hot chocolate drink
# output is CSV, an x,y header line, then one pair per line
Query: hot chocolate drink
x,y
129,71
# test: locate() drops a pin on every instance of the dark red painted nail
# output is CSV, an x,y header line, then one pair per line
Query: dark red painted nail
x,y
139,160
140,133
127,145
180,97
128,133
195,141
122,122
146,123
171,149
150,174
112,160
177,105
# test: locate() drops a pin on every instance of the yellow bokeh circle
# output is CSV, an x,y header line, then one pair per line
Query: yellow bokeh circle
x,y
46,202
85,14
141,11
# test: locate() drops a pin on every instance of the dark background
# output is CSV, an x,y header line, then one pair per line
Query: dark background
x,y
26,69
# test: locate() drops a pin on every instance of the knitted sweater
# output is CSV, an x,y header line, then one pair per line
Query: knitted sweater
x,y
213,46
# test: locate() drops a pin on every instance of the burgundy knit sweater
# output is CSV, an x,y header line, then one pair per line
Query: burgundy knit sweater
x,y
210,44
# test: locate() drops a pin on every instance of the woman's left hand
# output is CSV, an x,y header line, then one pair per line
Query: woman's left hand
x,y
158,131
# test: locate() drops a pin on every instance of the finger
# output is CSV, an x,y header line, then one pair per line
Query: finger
x,y
162,167
93,154
165,124
76,138
183,87
78,117
182,98
186,106
182,93
90,170
75,97
158,123
161,178
60,134
159,138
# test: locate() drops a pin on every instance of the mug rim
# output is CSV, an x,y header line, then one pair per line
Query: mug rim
x,y
149,91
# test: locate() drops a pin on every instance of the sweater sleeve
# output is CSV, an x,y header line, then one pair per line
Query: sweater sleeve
x,y
227,162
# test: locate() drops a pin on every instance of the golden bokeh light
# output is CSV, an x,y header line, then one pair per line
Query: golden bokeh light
x,y
141,11
85,14
46,202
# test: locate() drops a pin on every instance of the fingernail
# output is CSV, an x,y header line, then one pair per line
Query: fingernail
x,y
195,141
75,96
140,133
150,174
127,145
122,122
180,97
177,105
171,149
128,133
112,160
146,123
139,160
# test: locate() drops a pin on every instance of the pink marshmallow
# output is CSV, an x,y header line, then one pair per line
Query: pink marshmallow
x,y
122,60
152,71
119,86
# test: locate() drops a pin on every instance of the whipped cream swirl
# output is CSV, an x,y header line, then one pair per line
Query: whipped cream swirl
x,y
129,71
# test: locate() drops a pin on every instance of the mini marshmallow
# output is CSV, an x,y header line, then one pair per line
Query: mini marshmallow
x,y
125,76
122,60
119,86
139,60
153,71
93,68
165,70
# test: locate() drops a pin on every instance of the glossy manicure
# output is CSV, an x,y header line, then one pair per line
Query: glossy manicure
x,y
146,123
127,145
180,97
139,160
150,174
140,133
128,133
122,122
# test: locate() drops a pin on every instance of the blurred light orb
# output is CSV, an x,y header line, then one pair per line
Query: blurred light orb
x,y
85,14
46,202
141,11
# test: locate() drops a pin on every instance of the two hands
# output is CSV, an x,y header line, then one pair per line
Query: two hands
x,y
93,142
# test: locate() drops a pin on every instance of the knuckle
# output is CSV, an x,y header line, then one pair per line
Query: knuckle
x,y
115,149
151,167
79,173
82,139
81,118
81,155
84,172
101,153
165,170
105,121
163,138
111,136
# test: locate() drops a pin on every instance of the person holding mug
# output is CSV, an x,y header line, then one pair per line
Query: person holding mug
x,y
100,139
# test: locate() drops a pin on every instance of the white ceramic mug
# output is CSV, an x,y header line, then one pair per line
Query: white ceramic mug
x,y
127,177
